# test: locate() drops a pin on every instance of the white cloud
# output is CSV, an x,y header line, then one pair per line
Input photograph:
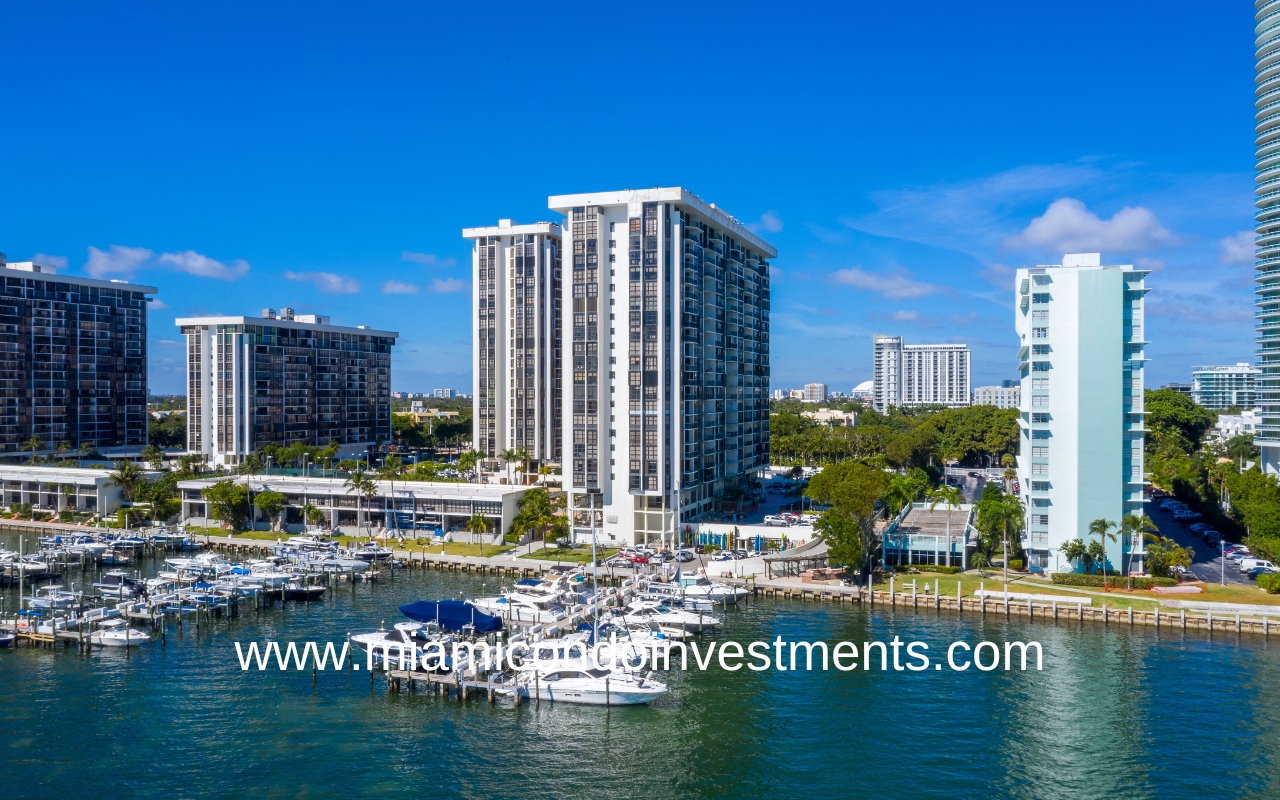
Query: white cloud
x,y
116,260
193,263
158,305
895,284
428,259
1149,264
54,261
1236,250
448,285
904,316
399,287
168,343
769,222
1067,226
120,260
326,281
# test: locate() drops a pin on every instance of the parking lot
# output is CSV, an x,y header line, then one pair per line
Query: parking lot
x,y
1207,563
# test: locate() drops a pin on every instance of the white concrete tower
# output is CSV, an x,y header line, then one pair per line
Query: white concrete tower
x,y
1080,449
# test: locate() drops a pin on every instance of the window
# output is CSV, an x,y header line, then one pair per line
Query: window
x,y
1039,486
1039,333
1040,366
1040,419
1039,519
1040,298
1040,349
1040,401
1039,452
1039,469
1039,383
1039,316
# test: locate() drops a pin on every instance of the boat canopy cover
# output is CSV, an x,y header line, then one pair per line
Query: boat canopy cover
x,y
451,615
528,582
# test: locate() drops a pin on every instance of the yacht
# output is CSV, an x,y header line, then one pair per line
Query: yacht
x,y
210,565
642,612
524,603
562,671
371,552
415,637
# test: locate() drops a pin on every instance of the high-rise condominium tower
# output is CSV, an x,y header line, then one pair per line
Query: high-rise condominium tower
x,y
516,355
73,367
1080,450
666,329
282,379
910,375
1267,219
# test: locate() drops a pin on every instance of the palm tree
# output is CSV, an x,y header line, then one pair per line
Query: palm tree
x,y
951,496
69,495
1007,461
388,471
64,447
84,450
1103,529
899,493
312,515
479,525
127,477
1135,527
1014,518
509,455
543,472
33,444
153,455
470,460
356,484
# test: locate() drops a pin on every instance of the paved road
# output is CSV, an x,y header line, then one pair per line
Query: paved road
x,y
1207,563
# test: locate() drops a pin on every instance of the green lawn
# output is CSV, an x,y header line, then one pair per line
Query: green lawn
x,y
573,556
460,549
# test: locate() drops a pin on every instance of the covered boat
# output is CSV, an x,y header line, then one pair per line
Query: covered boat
x,y
452,615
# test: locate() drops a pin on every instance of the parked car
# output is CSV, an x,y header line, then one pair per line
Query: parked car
x,y
1197,526
1258,571
1239,555
773,520
684,556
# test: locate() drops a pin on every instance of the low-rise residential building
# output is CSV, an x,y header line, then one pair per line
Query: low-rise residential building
x,y
55,489
413,508
1230,426
833,417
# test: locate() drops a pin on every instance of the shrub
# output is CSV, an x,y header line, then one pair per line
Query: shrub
x,y
945,570
1015,563
1270,582
1076,579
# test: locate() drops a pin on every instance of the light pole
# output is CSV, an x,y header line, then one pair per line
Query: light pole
x,y
1222,554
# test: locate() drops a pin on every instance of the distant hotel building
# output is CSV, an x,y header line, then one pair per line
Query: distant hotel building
x,y
1005,395
667,326
73,364
1081,444
517,352
445,394
1223,387
815,393
281,379
912,375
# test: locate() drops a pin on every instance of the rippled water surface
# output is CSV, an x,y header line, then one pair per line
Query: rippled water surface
x,y
1114,713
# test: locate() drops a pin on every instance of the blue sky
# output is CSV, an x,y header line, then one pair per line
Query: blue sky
x,y
903,158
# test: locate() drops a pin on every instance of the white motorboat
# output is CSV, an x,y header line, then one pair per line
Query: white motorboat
x,y
7,639
642,612
337,564
117,633
694,592
116,583
416,640
371,552
54,598
562,671
210,565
